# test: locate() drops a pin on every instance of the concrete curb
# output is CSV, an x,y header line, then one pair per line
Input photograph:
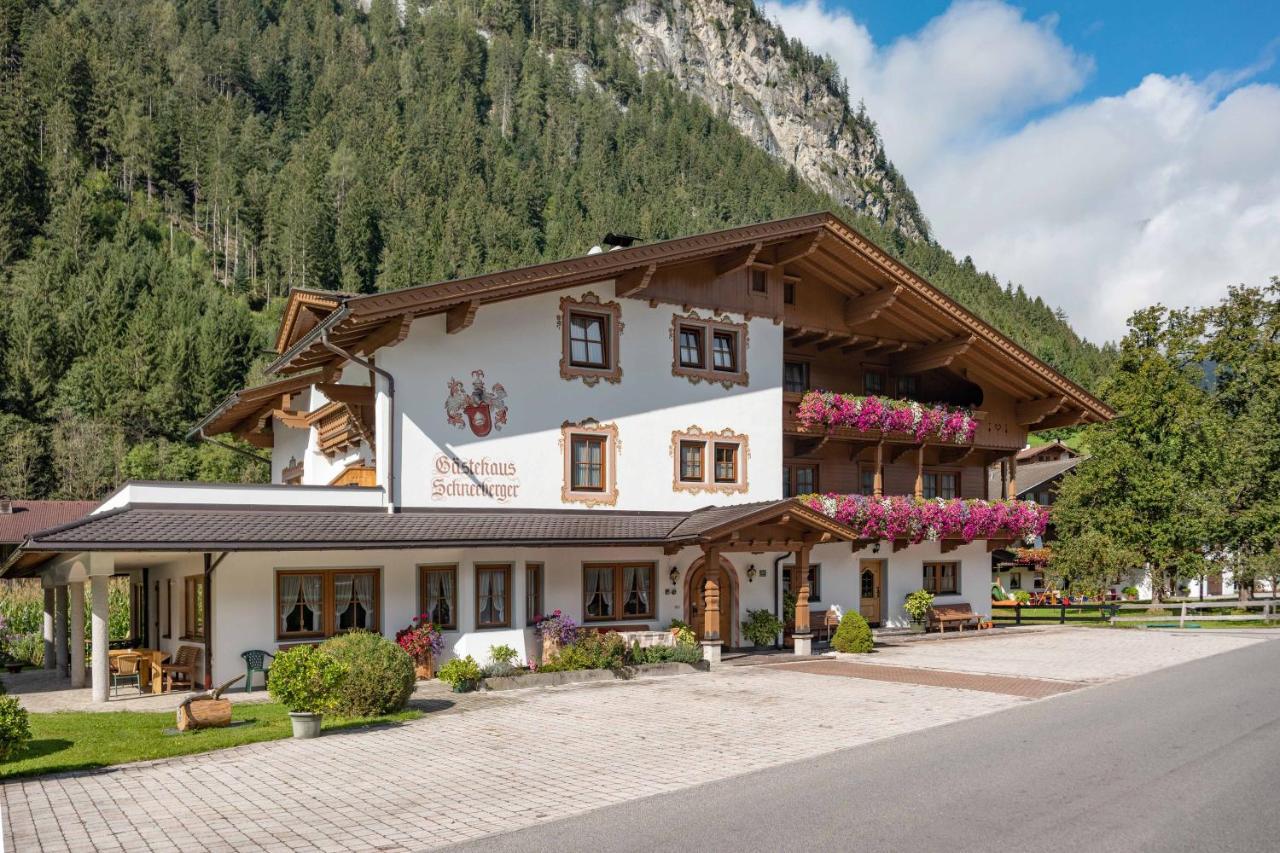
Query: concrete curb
x,y
579,676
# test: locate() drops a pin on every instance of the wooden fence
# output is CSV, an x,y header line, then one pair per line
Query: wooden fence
x,y
1111,613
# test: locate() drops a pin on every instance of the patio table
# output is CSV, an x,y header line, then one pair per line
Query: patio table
x,y
149,661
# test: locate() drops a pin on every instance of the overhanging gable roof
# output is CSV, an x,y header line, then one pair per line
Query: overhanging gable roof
x,y
246,402
363,323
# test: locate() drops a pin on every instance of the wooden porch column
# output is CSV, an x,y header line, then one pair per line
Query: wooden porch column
x,y
50,659
60,628
711,639
1013,478
877,487
98,592
920,472
77,633
802,635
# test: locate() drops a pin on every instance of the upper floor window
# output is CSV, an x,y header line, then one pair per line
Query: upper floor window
x,y
588,336
693,347
788,291
590,450
867,480
759,280
724,363
872,383
795,376
909,387
590,331
709,461
799,480
941,484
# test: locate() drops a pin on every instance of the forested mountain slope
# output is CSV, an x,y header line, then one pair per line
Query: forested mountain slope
x,y
170,169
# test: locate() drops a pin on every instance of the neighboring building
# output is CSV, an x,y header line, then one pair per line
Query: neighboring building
x,y
1038,481
614,435
20,519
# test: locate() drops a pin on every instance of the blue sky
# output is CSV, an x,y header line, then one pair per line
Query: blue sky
x,y
1103,155
1127,40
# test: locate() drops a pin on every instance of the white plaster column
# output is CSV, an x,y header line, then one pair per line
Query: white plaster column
x,y
60,627
50,659
98,590
77,633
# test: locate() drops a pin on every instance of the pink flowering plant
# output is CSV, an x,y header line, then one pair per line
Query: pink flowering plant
x,y
829,410
916,520
557,626
421,640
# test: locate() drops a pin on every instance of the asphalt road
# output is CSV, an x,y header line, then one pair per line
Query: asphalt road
x,y
1186,758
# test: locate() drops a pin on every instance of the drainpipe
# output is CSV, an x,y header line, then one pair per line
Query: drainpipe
x,y
777,585
391,410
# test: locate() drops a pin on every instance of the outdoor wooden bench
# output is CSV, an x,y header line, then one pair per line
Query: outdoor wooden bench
x,y
943,615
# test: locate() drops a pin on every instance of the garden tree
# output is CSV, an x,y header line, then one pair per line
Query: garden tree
x,y
1243,348
1090,562
171,167
1147,491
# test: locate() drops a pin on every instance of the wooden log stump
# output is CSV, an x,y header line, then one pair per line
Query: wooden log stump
x,y
206,710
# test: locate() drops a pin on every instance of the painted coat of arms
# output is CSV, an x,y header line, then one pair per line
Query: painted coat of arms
x,y
482,410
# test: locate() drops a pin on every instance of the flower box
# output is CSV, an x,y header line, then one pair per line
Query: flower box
x,y
830,411
919,520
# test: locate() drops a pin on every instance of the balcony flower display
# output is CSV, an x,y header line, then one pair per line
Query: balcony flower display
x,y
830,410
915,520
1036,558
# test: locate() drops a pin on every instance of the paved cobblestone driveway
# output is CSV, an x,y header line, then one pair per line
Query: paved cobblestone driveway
x,y
503,761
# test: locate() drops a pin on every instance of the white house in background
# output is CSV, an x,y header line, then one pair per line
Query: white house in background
x,y
614,435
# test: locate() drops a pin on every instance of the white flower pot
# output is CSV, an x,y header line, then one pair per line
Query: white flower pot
x,y
305,725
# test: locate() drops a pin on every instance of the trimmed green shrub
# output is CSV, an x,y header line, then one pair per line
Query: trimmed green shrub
x,y
15,729
761,627
853,636
592,650
377,674
462,674
1021,596
304,680
918,604
663,654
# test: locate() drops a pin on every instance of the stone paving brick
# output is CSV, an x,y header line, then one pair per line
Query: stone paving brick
x,y
488,758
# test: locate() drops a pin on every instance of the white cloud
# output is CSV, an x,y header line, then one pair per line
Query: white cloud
x,y
1167,193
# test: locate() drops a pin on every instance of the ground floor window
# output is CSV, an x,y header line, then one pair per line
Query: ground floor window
x,y
532,592
493,595
618,591
1015,580
193,607
323,602
942,578
439,585
815,581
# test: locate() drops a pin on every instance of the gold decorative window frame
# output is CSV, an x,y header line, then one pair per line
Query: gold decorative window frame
x,y
707,373
709,440
589,303
608,496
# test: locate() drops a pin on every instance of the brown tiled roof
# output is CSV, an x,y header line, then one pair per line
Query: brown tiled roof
x,y
30,517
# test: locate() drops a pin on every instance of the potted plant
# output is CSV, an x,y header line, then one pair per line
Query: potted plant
x,y
556,630
1130,593
761,628
461,674
918,605
303,679
423,641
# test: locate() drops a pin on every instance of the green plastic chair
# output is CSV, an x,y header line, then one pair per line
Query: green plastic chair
x,y
255,660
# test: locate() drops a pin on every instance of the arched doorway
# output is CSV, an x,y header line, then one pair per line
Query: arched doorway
x,y
695,581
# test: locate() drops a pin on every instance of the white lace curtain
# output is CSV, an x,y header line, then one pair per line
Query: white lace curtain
x,y
600,592
341,593
493,597
635,581
364,596
440,597
290,586
313,598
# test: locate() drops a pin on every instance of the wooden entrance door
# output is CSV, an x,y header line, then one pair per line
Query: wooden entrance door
x,y
697,582
870,578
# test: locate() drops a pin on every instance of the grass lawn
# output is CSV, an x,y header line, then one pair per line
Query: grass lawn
x,y
83,740
1041,615
1078,616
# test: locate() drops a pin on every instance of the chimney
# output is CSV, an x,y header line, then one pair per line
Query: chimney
x,y
6,506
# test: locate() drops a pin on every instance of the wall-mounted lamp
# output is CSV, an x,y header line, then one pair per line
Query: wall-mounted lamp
x,y
674,574
751,573
875,548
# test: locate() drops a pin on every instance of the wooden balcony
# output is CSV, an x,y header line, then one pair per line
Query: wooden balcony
x,y
820,435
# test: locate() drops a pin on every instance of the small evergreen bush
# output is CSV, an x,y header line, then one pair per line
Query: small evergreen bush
x,y
377,675
853,636
663,654
462,674
592,650
304,680
761,627
15,729
502,661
